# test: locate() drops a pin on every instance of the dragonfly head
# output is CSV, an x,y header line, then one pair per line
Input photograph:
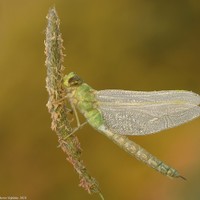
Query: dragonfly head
x,y
72,80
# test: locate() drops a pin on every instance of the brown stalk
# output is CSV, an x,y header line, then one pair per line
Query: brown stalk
x,y
57,108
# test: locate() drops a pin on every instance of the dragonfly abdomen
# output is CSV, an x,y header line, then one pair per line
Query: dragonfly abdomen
x,y
141,154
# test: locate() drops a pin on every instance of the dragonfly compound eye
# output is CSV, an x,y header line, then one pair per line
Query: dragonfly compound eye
x,y
75,81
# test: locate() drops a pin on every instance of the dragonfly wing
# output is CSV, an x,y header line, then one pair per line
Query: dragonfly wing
x,y
140,113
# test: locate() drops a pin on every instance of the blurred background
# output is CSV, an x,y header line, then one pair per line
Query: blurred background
x,y
124,44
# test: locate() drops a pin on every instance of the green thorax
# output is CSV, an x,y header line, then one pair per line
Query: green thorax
x,y
83,97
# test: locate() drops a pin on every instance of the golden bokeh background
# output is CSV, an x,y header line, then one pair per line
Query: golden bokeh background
x,y
124,44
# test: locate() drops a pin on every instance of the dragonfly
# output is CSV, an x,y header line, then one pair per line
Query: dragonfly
x,y
117,113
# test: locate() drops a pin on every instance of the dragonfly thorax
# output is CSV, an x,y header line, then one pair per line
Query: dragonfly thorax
x,y
82,97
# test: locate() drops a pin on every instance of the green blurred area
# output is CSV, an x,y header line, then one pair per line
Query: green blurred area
x,y
124,44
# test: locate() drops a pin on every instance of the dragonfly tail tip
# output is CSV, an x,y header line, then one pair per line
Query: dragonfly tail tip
x,y
182,177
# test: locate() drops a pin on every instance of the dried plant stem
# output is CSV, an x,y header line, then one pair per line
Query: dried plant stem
x,y
58,110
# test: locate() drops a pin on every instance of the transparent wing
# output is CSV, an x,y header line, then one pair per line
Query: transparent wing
x,y
139,113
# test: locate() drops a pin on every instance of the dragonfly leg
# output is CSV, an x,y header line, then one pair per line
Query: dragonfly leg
x,y
76,114
60,100
76,129
68,110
